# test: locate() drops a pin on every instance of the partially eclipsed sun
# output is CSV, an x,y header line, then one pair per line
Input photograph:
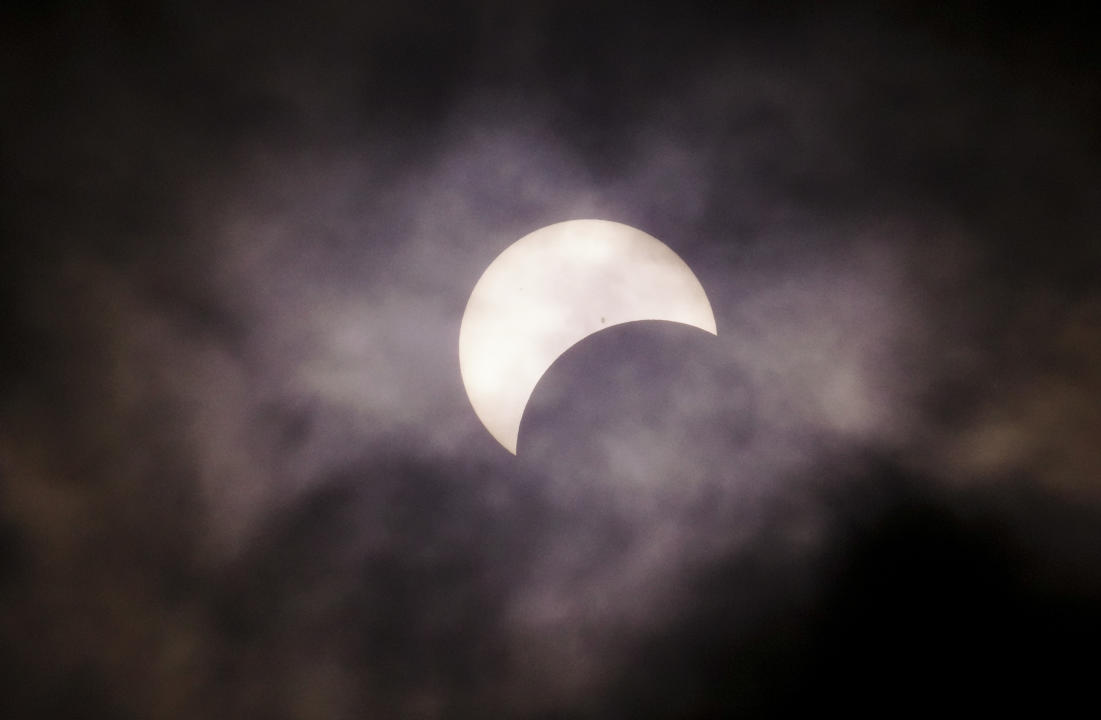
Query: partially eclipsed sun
x,y
551,289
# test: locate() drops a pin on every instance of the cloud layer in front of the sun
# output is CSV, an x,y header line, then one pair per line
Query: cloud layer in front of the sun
x,y
233,420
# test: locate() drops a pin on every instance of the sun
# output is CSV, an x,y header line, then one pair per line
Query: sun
x,y
551,289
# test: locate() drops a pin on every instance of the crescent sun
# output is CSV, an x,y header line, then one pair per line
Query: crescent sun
x,y
551,289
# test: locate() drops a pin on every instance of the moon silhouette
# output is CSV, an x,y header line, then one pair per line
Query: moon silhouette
x,y
554,287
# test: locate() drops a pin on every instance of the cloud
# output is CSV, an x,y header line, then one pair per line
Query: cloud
x,y
240,475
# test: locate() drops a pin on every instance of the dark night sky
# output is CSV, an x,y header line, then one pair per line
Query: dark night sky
x,y
239,475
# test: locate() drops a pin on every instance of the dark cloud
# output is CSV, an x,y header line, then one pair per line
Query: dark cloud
x,y
915,605
239,475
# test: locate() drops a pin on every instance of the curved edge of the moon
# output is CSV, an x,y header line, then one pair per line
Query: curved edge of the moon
x,y
514,439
